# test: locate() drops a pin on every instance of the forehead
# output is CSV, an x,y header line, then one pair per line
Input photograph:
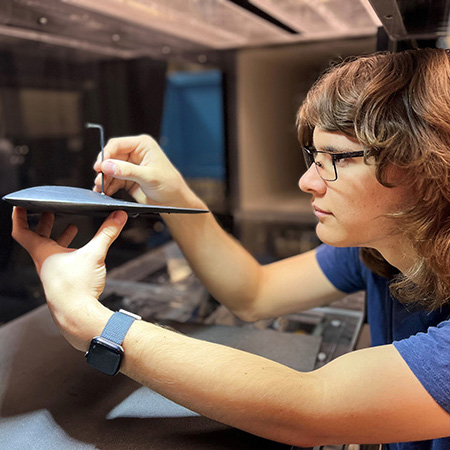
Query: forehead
x,y
334,141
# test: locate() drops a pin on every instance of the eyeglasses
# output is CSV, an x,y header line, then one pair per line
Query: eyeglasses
x,y
325,162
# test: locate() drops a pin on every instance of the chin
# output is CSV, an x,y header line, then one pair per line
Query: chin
x,y
332,238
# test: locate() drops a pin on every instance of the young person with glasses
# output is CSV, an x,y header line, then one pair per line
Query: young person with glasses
x,y
375,133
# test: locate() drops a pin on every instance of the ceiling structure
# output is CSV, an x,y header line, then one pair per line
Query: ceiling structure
x,y
170,28
165,28
418,19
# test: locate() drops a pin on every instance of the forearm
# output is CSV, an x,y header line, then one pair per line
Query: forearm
x,y
227,385
233,387
226,269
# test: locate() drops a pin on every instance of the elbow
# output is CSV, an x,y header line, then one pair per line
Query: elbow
x,y
245,316
306,441
249,314
310,441
299,437
252,310
303,437
248,304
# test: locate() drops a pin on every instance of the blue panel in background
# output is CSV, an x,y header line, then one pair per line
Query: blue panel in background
x,y
192,133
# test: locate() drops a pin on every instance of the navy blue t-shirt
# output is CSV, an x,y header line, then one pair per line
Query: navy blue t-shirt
x,y
422,338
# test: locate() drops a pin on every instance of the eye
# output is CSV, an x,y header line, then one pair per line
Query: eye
x,y
340,160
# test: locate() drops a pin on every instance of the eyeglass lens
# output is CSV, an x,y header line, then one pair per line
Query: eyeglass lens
x,y
323,162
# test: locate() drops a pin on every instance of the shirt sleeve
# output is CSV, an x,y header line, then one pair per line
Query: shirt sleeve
x,y
342,266
428,356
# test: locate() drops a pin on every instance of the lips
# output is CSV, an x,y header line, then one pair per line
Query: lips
x,y
321,211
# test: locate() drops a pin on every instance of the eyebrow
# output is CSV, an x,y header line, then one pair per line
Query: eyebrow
x,y
331,149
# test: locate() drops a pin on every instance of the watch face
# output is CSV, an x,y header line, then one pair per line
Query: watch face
x,y
104,355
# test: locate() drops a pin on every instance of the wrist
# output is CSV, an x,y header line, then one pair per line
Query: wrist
x,y
105,350
185,197
95,318
82,322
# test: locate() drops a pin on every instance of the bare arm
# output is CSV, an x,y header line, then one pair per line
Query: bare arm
x,y
249,289
227,270
369,396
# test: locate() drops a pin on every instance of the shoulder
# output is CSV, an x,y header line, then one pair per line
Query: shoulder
x,y
428,356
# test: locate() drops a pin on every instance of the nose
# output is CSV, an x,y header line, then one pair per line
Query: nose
x,y
311,182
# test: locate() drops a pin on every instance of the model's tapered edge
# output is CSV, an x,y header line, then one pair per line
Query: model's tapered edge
x,y
71,200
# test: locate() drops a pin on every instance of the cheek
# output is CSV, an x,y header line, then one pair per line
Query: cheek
x,y
373,203
390,199
393,200
380,203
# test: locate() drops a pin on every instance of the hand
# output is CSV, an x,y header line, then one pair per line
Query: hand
x,y
72,279
138,165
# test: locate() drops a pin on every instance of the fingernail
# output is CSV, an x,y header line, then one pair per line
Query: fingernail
x,y
108,168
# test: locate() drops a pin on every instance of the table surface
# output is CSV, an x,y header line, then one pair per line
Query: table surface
x,y
51,399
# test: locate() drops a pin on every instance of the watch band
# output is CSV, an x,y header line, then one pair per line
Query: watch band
x,y
118,325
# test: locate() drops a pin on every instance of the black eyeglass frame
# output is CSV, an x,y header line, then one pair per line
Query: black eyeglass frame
x,y
310,151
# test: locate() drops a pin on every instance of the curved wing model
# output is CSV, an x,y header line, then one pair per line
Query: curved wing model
x,y
72,200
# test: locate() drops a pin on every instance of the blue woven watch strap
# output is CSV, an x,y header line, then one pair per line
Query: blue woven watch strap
x,y
117,327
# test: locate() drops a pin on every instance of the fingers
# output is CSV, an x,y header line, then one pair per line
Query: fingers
x,y
111,185
118,173
39,247
107,234
19,223
20,230
120,148
122,170
30,240
139,165
19,219
45,225
67,236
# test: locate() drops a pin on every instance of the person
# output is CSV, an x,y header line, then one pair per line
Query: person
x,y
375,133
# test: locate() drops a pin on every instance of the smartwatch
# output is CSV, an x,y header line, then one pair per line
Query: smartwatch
x,y
105,351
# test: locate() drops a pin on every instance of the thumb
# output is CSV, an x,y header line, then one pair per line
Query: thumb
x,y
107,234
123,170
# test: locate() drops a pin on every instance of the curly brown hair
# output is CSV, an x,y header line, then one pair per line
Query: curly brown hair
x,y
397,105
